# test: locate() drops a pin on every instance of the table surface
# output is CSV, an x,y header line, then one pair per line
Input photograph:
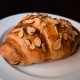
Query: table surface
x,y
67,8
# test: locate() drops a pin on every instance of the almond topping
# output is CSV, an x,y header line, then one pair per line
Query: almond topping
x,y
27,17
55,21
54,29
45,20
28,21
31,30
43,14
37,21
57,44
60,35
37,42
43,24
71,32
28,42
14,62
16,30
50,19
65,36
32,46
41,27
20,33
43,47
75,33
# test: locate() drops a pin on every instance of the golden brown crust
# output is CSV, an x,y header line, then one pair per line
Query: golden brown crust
x,y
39,38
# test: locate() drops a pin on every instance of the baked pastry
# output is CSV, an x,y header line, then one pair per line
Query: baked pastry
x,y
39,38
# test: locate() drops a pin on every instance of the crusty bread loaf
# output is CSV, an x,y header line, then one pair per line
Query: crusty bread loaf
x,y
39,38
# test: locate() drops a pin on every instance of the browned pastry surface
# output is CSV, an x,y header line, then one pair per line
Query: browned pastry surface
x,y
39,38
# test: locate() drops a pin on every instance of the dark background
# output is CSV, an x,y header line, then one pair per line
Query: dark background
x,y
67,8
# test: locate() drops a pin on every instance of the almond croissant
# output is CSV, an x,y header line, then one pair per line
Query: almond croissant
x,y
39,38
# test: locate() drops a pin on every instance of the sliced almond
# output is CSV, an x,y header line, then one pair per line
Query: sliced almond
x,y
27,17
41,27
28,21
65,36
75,33
16,30
37,21
43,14
60,35
31,30
58,19
45,20
43,24
55,21
49,19
63,26
39,16
43,47
55,30
28,42
14,62
37,42
32,46
20,33
22,63
65,23
57,44
71,33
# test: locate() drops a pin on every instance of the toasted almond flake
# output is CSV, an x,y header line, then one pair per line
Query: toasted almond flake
x,y
55,21
39,16
15,62
22,63
65,23
57,44
41,27
37,41
28,42
71,38
49,19
43,47
43,14
65,36
28,21
31,30
43,24
55,29
60,35
32,46
16,30
75,33
37,21
45,20
70,31
58,19
20,33
27,17
63,26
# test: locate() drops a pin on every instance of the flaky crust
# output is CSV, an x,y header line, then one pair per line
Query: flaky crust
x,y
39,38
